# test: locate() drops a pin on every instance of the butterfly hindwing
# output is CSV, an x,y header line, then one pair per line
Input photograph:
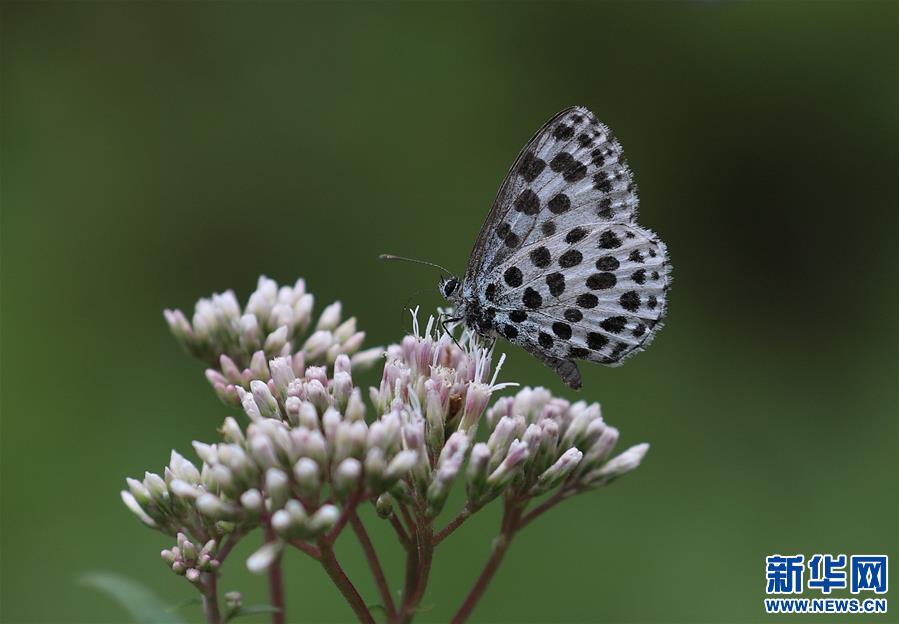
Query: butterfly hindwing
x,y
598,295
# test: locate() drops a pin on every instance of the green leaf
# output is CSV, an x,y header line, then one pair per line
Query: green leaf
x,y
137,599
252,610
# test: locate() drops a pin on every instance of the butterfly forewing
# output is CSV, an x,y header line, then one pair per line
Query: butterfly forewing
x,y
560,266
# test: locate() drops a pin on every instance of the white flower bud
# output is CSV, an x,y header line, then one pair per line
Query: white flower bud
x,y
207,452
346,477
184,490
555,474
252,501
156,486
316,346
212,506
250,334
136,509
317,395
518,454
400,465
229,369
263,451
355,407
324,519
345,330
341,387
329,318
276,340
364,360
302,311
183,469
476,476
232,432
140,493
266,402
623,463
276,486
307,475
262,559
282,374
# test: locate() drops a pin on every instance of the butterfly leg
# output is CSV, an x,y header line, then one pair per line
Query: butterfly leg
x,y
443,321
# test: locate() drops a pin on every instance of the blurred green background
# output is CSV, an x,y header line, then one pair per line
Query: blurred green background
x,y
157,152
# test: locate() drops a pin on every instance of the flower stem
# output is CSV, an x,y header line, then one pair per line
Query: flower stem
x,y
211,599
275,583
418,568
377,571
510,525
454,524
545,506
332,567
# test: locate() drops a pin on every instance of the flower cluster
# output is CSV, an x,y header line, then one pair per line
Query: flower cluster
x,y
237,344
309,451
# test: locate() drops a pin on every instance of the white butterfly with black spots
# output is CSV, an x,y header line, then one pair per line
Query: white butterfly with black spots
x,y
560,266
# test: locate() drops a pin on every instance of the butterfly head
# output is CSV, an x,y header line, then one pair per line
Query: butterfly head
x,y
449,288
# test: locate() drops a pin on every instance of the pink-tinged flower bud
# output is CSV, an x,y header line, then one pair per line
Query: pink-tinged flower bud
x,y
262,559
282,316
352,344
276,340
232,432
267,404
292,407
355,407
258,366
317,395
343,365
623,463
316,346
435,414
263,451
476,475
250,334
319,373
341,388
511,465
500,439
248,403
215,378
555,474
135,508
601,449
329,318
302,312
282,375
475,402
345,330
168,556
179,326
192,575
233,600
230,369
183,469
207,452
594,430
364,360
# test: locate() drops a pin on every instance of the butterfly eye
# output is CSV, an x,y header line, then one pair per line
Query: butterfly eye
x,y
449,286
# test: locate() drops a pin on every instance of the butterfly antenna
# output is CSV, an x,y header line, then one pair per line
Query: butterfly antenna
x,y
433,264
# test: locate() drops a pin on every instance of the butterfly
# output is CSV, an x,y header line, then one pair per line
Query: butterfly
x,y
560,267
